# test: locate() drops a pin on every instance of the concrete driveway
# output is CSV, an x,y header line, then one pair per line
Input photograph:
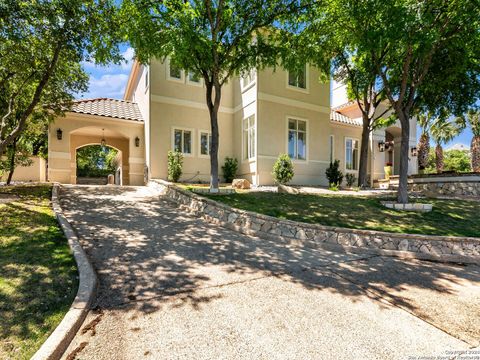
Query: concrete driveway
x,y
175,287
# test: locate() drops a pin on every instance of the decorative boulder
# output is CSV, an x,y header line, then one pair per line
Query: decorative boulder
x,y
240,184
284,189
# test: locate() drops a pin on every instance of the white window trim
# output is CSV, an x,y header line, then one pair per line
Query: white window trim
x,y
250,84
169,78
345,155
253,158
331,141
307,150
200,132
193,83
307,81
172,147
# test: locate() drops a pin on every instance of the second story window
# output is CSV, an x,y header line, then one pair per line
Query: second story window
x,y
194,78
298,78
175,72
297,139
248,78
182,141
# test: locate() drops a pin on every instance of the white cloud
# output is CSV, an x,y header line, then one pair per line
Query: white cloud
x,y
128,56
106,86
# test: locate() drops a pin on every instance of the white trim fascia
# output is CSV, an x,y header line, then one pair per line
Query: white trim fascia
x,y
200,132
192,146
307,131
59,155
192,104
136,160
307,82
294,103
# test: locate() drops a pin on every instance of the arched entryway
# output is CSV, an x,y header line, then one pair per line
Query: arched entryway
x,y
103,137
96,163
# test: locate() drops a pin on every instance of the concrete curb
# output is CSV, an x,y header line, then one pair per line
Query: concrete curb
x,y
56,344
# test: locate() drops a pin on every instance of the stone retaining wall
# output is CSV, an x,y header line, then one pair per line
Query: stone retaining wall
x,y
421,246
433,186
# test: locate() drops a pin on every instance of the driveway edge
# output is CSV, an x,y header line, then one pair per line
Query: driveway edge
x,y
411,246
58,341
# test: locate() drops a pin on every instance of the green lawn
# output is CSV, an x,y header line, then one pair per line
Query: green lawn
x,y
38,276
449,217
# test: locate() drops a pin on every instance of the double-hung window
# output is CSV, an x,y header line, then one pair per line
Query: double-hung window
x,y
298,78
182,141
249,137
351,154
205,143
297,139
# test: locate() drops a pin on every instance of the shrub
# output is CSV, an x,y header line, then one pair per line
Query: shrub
x,y
283,169
229,169
350,179
334,175
333,187
175,163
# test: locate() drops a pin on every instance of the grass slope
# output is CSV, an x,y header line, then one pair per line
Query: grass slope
x,y
38,276
449,217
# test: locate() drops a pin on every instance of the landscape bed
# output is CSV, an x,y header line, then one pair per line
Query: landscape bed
x,y
448,217
38,276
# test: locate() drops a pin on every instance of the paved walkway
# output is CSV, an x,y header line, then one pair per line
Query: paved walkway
x,y
174,287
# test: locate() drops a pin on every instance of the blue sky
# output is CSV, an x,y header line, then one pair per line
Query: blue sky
x,y
110,81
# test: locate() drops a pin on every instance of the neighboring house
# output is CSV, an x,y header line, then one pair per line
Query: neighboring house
x,y
262,115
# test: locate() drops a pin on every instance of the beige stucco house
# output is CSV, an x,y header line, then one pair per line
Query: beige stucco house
x,y
263,114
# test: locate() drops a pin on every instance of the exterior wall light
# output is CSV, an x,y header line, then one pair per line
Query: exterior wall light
x,y
59,134
137,141
381,146
413,151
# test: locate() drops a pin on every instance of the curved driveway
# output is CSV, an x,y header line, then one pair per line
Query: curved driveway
x,y
174,287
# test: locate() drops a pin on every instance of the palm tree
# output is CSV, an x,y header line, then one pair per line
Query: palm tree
x,y
473,120
425,121
443,131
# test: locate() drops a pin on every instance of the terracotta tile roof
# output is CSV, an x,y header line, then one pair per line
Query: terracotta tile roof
x,y
119,109
335,116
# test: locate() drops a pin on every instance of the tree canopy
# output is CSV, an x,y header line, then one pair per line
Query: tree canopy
x,y
42,45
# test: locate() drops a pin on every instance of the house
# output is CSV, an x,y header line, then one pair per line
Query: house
x,y
262,114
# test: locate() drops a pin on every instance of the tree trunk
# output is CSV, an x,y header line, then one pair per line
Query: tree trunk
x,y
402,195
213,107
12,162
475,153
362,169
423,151
439,158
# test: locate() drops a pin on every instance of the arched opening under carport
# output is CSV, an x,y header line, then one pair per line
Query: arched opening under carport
x,y
95,162
102,143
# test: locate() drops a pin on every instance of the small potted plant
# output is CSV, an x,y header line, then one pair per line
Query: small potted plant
x,y
388,170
